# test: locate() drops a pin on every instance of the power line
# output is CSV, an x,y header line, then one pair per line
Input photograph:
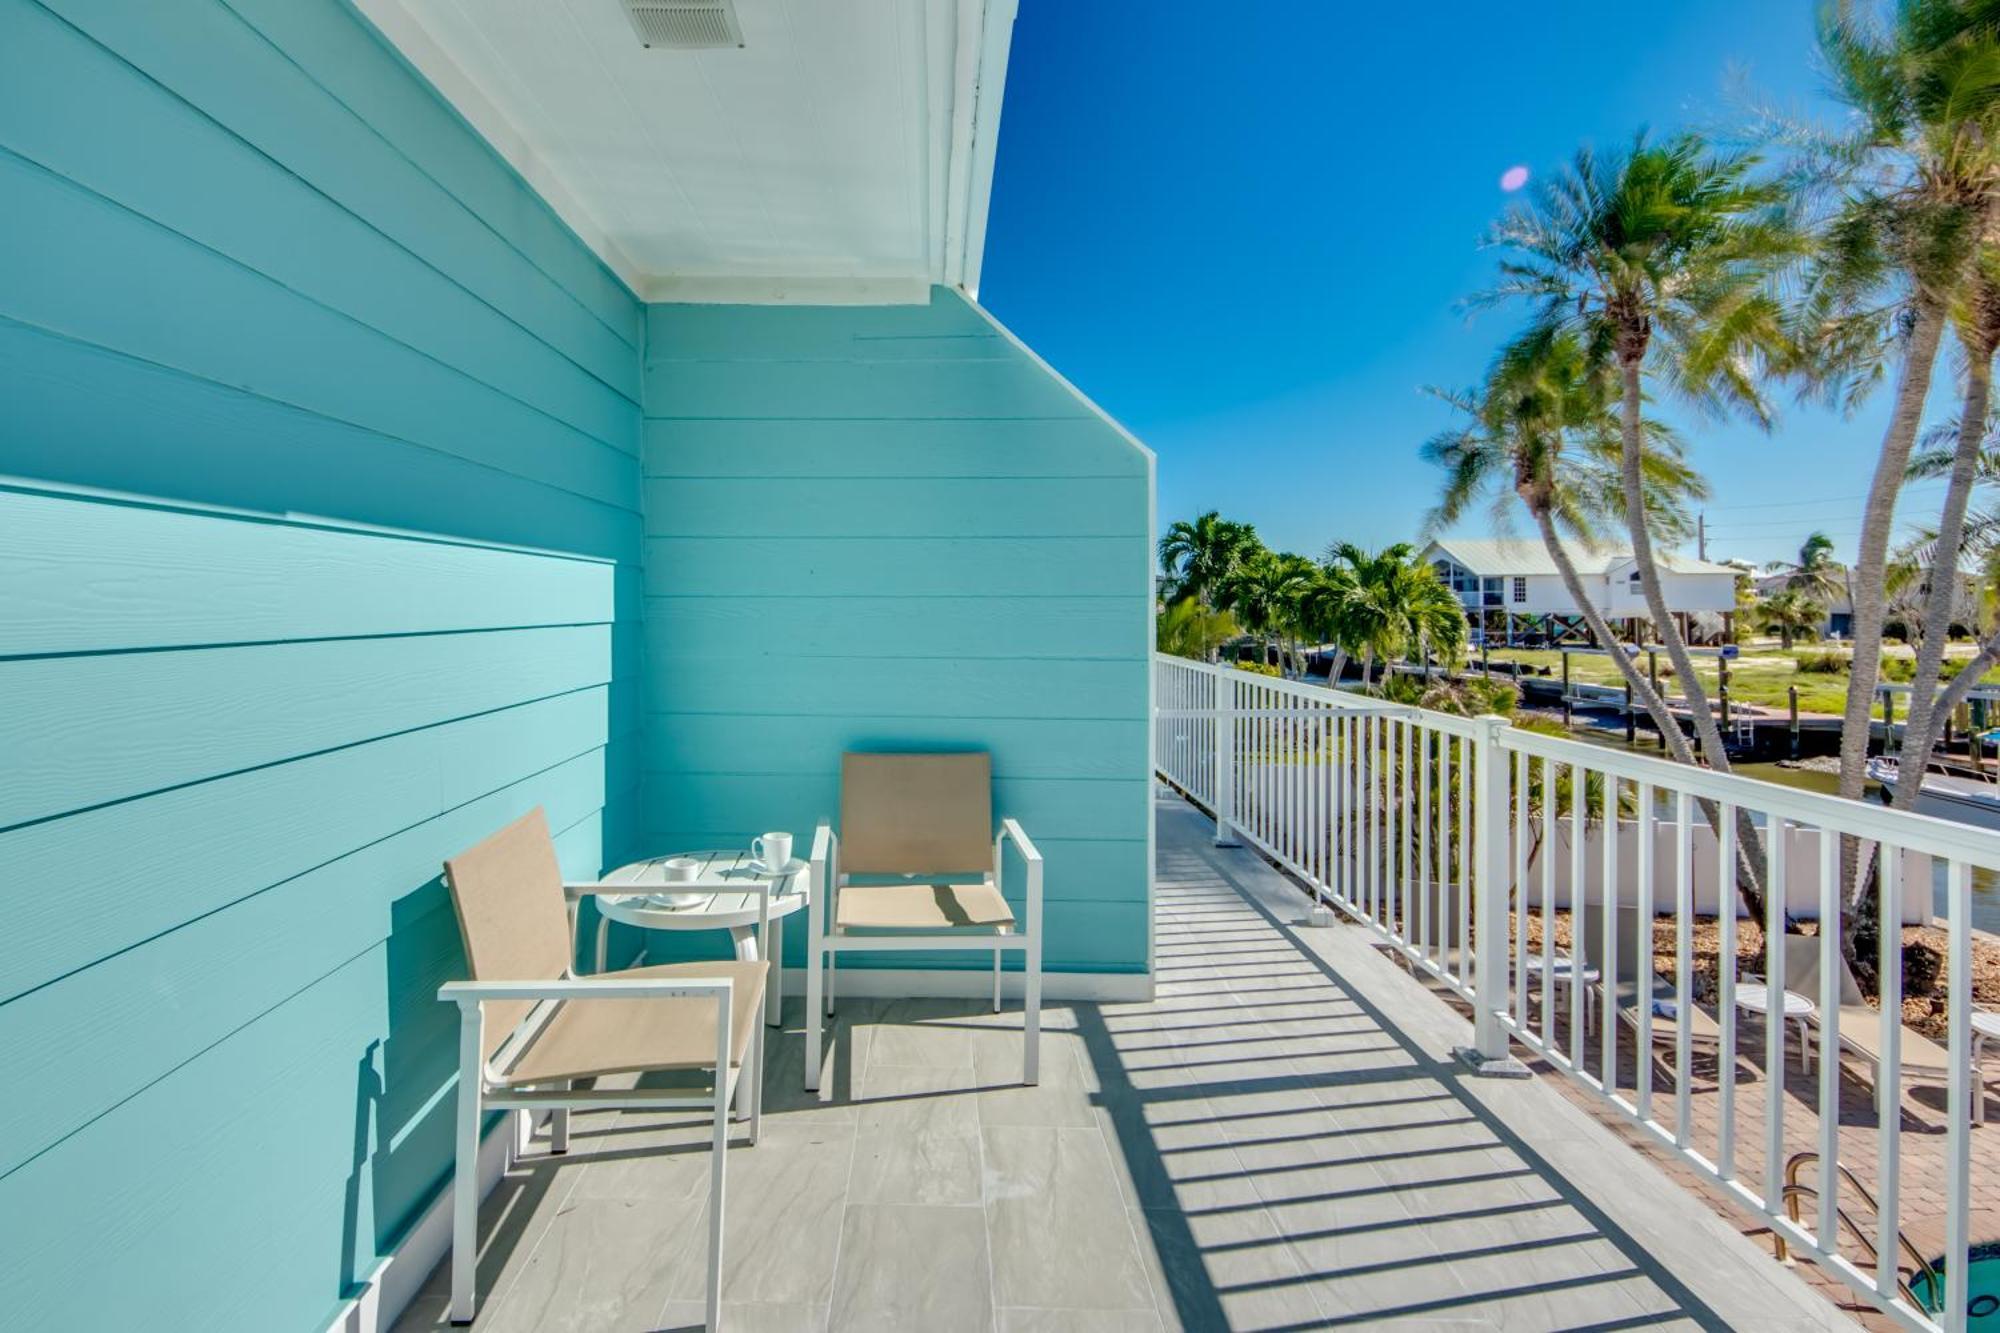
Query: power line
x,y
1822,500
1788,504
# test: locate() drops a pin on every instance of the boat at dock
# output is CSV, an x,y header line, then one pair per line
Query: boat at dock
x,y
1943,796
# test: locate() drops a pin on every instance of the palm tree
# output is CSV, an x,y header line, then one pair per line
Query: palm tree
x,y
1816,574
1790,615
1661,262
1189,629
1909,180
1326,612
1397,604
1935,457
1198,557
1263,591
1545,427
1543,431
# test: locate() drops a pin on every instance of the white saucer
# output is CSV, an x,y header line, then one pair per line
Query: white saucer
x,y
674,900
791,867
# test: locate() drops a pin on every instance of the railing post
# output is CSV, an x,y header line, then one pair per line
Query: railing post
x,y
1225,757
1488,1054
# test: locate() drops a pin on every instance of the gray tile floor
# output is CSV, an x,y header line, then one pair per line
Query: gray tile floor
x,y
1260,1147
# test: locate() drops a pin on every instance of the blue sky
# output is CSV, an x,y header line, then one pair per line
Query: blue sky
x,y
1245,231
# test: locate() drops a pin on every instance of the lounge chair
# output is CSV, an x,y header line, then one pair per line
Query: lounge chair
x,y
1638,983
549,1028
1861,1028
916,864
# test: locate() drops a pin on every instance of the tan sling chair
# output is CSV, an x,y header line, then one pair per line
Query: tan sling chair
x,y
917,832
549,1027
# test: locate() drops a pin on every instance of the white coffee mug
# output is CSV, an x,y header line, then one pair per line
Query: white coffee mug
x,y
679,869
774,850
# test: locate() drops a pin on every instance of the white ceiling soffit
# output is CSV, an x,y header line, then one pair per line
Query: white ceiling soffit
x,y
843,154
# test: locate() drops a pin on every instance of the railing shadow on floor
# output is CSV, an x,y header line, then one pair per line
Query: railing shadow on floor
x,y
1200,1304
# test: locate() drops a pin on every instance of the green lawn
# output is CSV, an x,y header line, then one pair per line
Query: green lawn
x,y
1762,675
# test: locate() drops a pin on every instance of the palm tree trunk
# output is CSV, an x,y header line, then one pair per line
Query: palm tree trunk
x,y
1367,667
1920,730
1636,521
1642,689
1870,600
1339,666
1749,843
1871,564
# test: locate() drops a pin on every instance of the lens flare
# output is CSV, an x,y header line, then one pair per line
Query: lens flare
x,y
1513,178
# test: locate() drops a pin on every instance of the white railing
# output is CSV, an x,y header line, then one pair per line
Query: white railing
x,y
1403,819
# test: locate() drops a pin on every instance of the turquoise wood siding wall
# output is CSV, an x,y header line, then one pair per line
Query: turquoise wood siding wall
x,y
257,281
889,527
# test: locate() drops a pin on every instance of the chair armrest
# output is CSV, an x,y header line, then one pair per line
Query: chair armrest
x,y
588,988
1011,831
823,842
591,888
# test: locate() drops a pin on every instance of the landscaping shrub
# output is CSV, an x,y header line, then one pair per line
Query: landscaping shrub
x,y
1826,663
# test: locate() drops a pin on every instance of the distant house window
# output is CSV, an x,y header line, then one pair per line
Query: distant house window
x,y
1520,590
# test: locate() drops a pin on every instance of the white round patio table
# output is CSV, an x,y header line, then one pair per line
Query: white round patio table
x,y
727,893
1985,1028
1754,997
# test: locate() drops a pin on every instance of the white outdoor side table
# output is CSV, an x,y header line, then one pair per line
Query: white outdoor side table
x,y
729,892
1755,998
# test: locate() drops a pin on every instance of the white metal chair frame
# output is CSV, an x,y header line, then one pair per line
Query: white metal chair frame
x,y
824,946
481,1078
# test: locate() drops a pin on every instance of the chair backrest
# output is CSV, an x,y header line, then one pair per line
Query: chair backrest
x,y
1802,971
1441,912
1635,943
916,814
511,914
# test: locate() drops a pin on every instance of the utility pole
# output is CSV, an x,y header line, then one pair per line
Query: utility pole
x,y
1701,535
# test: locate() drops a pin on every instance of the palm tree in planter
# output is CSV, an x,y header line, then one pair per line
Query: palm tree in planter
x,y
1791,615
1661,261
1199,556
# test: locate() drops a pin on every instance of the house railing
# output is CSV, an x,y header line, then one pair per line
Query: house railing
x,y
1456,840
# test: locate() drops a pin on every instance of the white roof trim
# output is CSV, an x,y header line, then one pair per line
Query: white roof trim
x,y
694,290
404,35
1056,375
996,41
979,80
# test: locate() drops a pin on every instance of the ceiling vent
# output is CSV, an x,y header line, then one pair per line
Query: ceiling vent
x,y
684,25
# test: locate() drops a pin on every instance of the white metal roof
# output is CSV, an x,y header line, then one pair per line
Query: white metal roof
x,y
843,153
1518,556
